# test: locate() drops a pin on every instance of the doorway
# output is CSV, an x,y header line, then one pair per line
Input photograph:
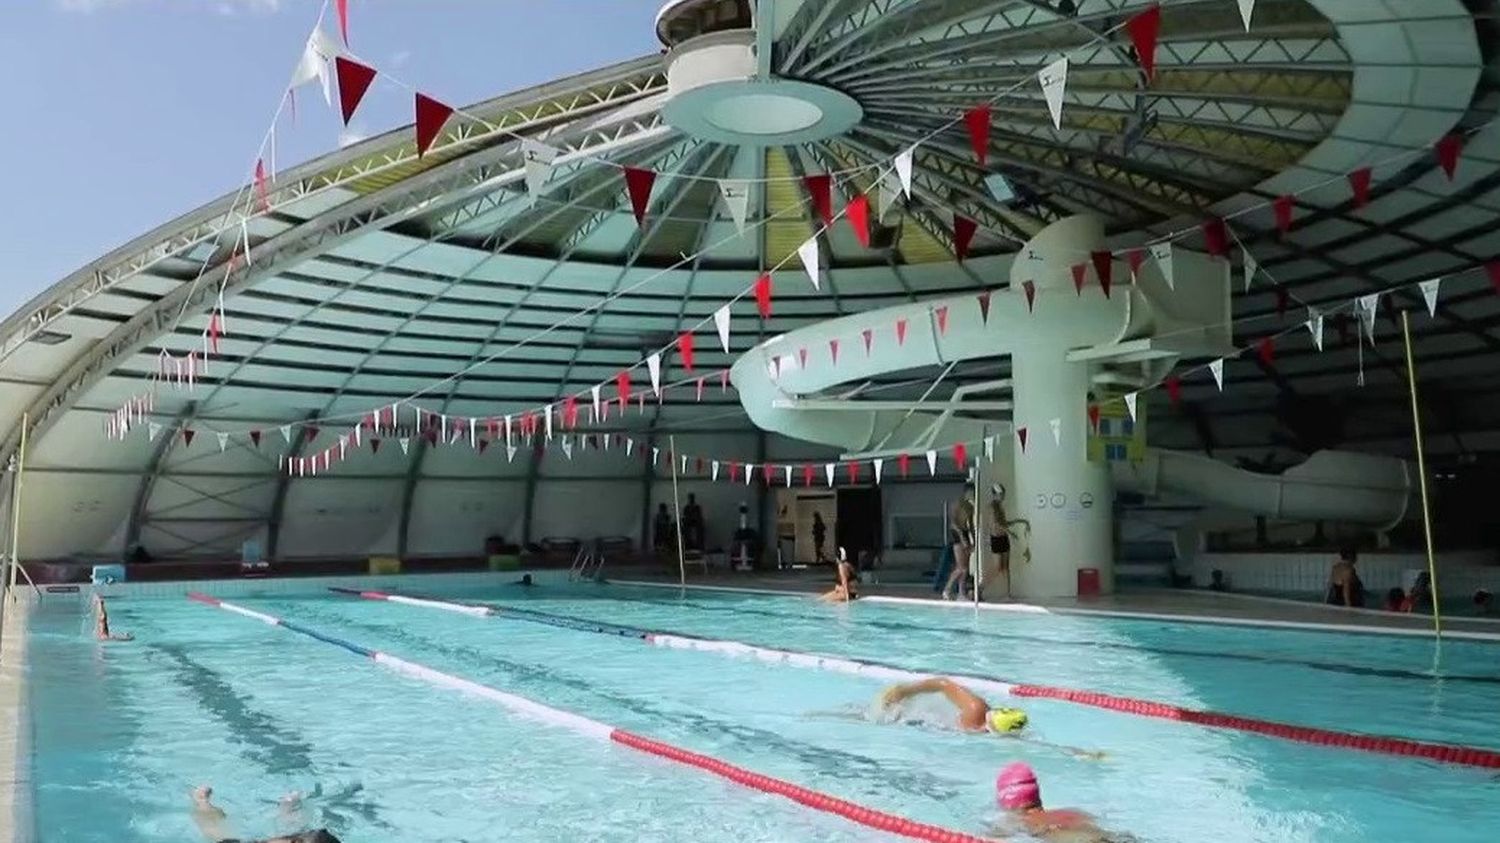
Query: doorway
x,y
859,515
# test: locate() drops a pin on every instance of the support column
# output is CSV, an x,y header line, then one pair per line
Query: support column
x,y
1067,499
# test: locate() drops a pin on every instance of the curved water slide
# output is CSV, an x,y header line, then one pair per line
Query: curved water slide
x,y
1062,347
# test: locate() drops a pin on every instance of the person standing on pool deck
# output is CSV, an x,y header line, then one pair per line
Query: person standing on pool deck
x,y
1017,791
961,531
819,536
692,524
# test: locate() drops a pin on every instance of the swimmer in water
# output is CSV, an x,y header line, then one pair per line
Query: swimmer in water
x,y
525,580
101,623
210,818
845,589
1017,791
974,714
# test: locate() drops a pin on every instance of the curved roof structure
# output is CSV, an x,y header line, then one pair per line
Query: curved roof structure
x,y
378,276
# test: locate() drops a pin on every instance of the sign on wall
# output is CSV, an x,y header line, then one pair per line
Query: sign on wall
x,y
1119,437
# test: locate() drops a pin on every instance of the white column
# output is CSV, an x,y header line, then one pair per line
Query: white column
x,y
1066,499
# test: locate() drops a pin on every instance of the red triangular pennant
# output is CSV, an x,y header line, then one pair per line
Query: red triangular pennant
x,y
255,438
1448,149
1021,437
570,412
858,214
1094,417
900,332
1282,206
1359,182
638,183
354,80
1144,29
1174,389
734,472
483,444
961,455
820,188
1492,269
1080,271
187,437
1215,237
802,358
1104,267
311,433
685,350
763,295
963,235
374,445
853,468
1267,350
262,193
869,335
942,319
903,462
833,350
622,387
1029,287
984,307
978,121
1136,257
807,474
431,115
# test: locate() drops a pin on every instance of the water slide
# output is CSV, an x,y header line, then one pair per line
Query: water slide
x,y
1062,345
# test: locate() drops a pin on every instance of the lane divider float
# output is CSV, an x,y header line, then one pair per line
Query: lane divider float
x,y
1467,756
578,724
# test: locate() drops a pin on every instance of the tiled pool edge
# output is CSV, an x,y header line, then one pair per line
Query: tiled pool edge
x,y
309,586
15,731
1126,614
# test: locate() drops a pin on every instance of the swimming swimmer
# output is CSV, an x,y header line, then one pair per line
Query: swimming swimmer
x,y
1017,791
101,624
321,835
974,714
210,818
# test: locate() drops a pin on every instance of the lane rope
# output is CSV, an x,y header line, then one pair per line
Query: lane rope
x,y
1467,756
578,724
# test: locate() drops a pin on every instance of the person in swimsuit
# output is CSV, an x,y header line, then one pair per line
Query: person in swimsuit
x,y
101,623
1344,585
846,589
321,835
961,532
1017,791
973,713
819,536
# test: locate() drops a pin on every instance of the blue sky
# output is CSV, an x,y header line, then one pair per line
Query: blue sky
x,y
126,113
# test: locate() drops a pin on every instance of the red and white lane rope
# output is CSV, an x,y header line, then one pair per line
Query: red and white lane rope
x,y
1467,756
816,800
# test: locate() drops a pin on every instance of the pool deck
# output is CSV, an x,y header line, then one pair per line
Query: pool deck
x,y
1146,604
14,781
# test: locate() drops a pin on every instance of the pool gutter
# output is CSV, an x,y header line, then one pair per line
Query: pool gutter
x,y
15,730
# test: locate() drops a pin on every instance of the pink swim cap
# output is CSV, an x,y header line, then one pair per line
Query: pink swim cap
x,y
1016,787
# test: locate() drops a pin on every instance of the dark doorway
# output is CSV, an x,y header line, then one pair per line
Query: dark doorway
x,y
858,528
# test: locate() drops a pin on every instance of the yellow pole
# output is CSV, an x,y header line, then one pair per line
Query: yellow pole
x,y
677,514
1416,421
15,505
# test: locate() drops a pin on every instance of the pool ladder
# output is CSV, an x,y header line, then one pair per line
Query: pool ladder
x,y
588,563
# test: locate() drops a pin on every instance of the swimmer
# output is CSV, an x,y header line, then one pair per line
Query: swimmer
x,y
524,581
210,818
845,589
321,835
101,624
974,714
1017,791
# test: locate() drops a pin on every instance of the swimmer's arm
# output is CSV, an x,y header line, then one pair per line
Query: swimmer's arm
x,y
900,693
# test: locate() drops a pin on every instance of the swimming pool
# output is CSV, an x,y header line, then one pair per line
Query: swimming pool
x,y
124,731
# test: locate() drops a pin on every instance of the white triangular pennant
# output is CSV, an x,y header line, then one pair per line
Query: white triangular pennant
x,y
405,444
655,455
547,415
989,449
629,446
567,446
828,472
721,321
152,430
1367,305
594,392
788,470
714,472
736,194
749,471
1315,327
343,446
683,470
1056,425
538,159
507,429
932,463
1217,368
879,465
886,198
1251,267
1054,81
473,433
223,441
286,433
808,252
1162,254
1247,9
1130,399
1430,293
319,51
510,452
653,365
903,169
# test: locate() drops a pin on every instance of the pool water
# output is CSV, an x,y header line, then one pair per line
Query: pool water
x,y
121,732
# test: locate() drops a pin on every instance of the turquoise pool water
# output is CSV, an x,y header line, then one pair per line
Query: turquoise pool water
x,y
122,731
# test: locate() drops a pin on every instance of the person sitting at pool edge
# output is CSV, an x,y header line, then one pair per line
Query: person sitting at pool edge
x,y
1395,600
101,624
1017,791
974,714
845,589
1483,602
1344,585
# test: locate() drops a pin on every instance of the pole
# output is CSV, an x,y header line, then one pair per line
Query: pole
x,y
677,512
15,507
1416,421
976,556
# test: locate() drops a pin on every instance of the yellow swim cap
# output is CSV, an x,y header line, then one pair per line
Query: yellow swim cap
x,y
1006,720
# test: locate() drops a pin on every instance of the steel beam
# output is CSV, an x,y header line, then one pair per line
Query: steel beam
x,y
164,445
283,486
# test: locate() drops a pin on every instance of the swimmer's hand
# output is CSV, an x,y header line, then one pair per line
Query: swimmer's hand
x,y
1086,755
